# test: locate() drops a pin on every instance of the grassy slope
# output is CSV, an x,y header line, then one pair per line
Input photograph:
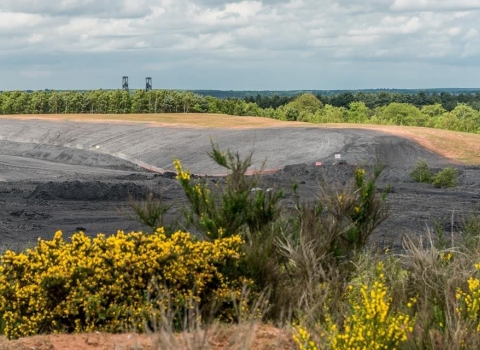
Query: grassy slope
x,y
458,146
180,119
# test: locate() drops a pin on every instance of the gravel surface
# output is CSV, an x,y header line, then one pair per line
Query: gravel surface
x,y
58,175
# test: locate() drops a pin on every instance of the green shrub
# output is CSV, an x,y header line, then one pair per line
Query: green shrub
x,y
345,217
306,103
421,172
291,113
233,208
446,178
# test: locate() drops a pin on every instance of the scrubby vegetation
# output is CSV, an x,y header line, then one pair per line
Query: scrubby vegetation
x,y
444,111
109,283
444,178
311,267
421,172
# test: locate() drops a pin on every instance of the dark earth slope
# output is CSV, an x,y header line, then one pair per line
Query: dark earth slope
x,y
70,176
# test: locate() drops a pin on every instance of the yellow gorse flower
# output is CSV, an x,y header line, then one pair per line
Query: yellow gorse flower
x,y
303,339
104,283
371,323
182,175
469,301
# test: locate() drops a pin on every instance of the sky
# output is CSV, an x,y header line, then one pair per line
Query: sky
x,y
239,45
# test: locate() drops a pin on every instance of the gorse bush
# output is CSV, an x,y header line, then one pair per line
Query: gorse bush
x,y
470,301
446,178
111,283
421,172
234,207
438,278
341,221
304,247
369,322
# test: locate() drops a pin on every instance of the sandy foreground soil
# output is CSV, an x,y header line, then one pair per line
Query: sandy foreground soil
x,y
75,173
249,336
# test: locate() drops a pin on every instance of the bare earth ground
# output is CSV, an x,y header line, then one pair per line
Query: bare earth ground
x,y
256,336
454,145
77,172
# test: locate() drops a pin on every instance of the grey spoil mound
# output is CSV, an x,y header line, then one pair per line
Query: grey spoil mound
x,y
29,210
40,193
159,145
89,191
342,173
65,155
15,168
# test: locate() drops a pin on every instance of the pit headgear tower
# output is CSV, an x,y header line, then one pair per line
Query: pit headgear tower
x,y
125,83
148,84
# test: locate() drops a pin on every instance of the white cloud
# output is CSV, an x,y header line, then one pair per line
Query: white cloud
x,y
435,5
11,21
253,33
244,8
207,42
35,38
471,34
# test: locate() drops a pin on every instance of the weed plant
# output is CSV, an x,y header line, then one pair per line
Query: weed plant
x,y
151,213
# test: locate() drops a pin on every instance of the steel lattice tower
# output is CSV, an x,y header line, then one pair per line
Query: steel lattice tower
x,y
125,83
148,84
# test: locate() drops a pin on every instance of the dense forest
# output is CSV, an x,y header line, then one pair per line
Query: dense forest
x,y
329,93
439,110
377,99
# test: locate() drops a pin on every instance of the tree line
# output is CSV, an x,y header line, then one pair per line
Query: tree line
x,y
119,101
375,108
309,108
377,99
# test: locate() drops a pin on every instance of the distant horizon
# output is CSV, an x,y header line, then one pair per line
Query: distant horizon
x,y
265,90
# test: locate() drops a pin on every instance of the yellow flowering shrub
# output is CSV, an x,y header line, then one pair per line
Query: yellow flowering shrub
x,y
303,338
469,301
372,324
104,283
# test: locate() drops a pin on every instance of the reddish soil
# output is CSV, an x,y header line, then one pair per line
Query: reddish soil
x,y
260,337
